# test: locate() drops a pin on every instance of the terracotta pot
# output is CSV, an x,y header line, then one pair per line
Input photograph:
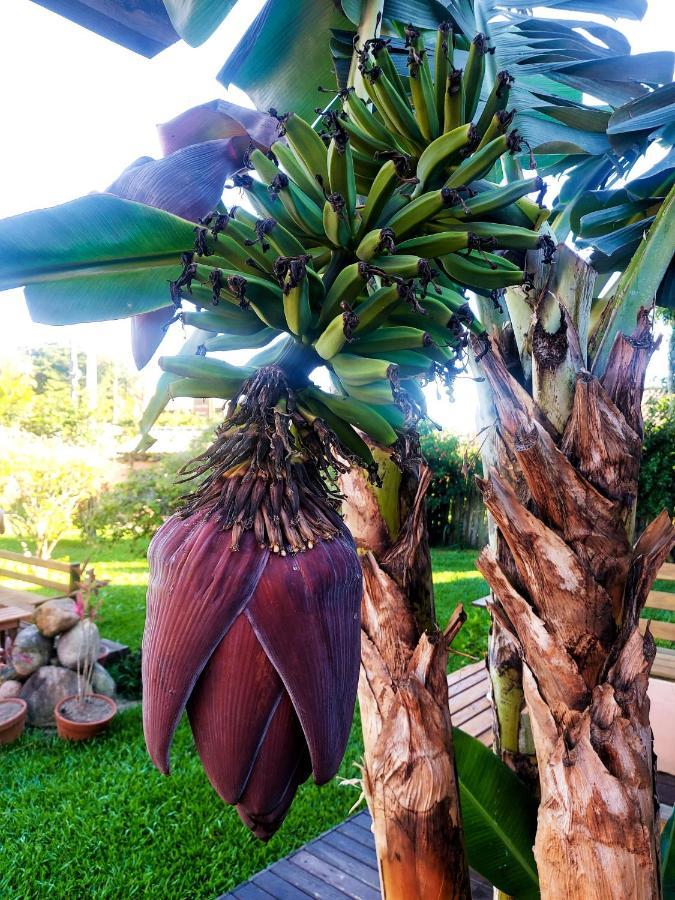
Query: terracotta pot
x,y
70,730
12,727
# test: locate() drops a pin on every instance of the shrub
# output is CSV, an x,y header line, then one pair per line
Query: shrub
x,y
455,512
656,489
42,483
134,508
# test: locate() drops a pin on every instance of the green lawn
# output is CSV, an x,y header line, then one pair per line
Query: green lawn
x,y
96,820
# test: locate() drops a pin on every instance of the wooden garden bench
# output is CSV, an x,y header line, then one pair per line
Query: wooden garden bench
x,y
664,663
71,576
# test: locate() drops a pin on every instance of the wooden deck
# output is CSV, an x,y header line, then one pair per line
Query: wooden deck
x,y
342,864
339,864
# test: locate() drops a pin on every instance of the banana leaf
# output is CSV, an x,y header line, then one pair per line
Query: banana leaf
x,y
500,819
668,858
196,20
92,259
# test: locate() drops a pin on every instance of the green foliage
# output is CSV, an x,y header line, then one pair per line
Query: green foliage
x,y
135,507
500,819
656,489
455,514
668,858
42,483
16,393
127,674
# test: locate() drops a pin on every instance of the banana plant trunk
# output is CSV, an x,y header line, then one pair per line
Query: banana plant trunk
x,y
409,777
568,585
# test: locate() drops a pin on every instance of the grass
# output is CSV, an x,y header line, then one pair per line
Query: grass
x,y
97,820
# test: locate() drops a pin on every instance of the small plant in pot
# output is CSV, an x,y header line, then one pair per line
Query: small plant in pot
x,y
85,714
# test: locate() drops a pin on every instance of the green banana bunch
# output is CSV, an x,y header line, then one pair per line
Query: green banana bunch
x,y
364,237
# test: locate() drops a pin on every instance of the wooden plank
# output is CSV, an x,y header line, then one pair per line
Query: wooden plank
x,y
250,891
362,871
350,886
479,725
665,631
470,712
456,687
37,561
34,579
363,820
664,664
362,852
661,600
466,698
667,572
358,834
318,888
12,614
277,887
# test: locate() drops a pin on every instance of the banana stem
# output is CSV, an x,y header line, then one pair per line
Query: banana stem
x,y
369,27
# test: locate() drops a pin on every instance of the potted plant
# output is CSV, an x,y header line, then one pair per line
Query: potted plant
x,y
12,719
85,714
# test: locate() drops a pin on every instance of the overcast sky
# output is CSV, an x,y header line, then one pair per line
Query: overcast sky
x,y
76,109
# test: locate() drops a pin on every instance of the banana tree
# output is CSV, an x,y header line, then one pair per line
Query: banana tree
x,y
345,261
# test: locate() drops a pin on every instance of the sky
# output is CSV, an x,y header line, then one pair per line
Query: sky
x,y
77,109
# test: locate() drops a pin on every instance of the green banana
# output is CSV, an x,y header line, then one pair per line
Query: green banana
x,y
491,200
363,141
360,414
295,169
397,337
203,367
381,191
479,163
222,388
304,212
476,271
409,362
376,392
350,282
376,242
442,153
431,245
442,63
474,73
497,100
366,316
421,86
266,168
356,370
498,125
341,174
293,278
335,221
238,342
360,114
391,104
308,147
404,266
419,211
267,205
230,320
453,105
503,237
333,338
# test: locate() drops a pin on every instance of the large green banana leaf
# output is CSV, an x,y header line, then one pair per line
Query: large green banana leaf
x,y
95,258
668,858
500,818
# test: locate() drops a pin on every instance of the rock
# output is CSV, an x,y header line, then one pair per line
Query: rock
x,y
79,646
56,616
102,681
10,689
30,650
7,673
44,689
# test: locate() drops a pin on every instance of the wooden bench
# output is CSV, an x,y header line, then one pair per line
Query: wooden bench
x,y
27,600
664,663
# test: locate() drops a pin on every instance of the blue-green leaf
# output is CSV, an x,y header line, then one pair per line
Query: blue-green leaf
x,y
196,20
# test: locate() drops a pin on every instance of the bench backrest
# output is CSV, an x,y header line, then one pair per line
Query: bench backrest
x,y
71,573
661,600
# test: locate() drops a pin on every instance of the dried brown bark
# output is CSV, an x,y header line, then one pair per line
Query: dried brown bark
x,y
569,591
409,776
